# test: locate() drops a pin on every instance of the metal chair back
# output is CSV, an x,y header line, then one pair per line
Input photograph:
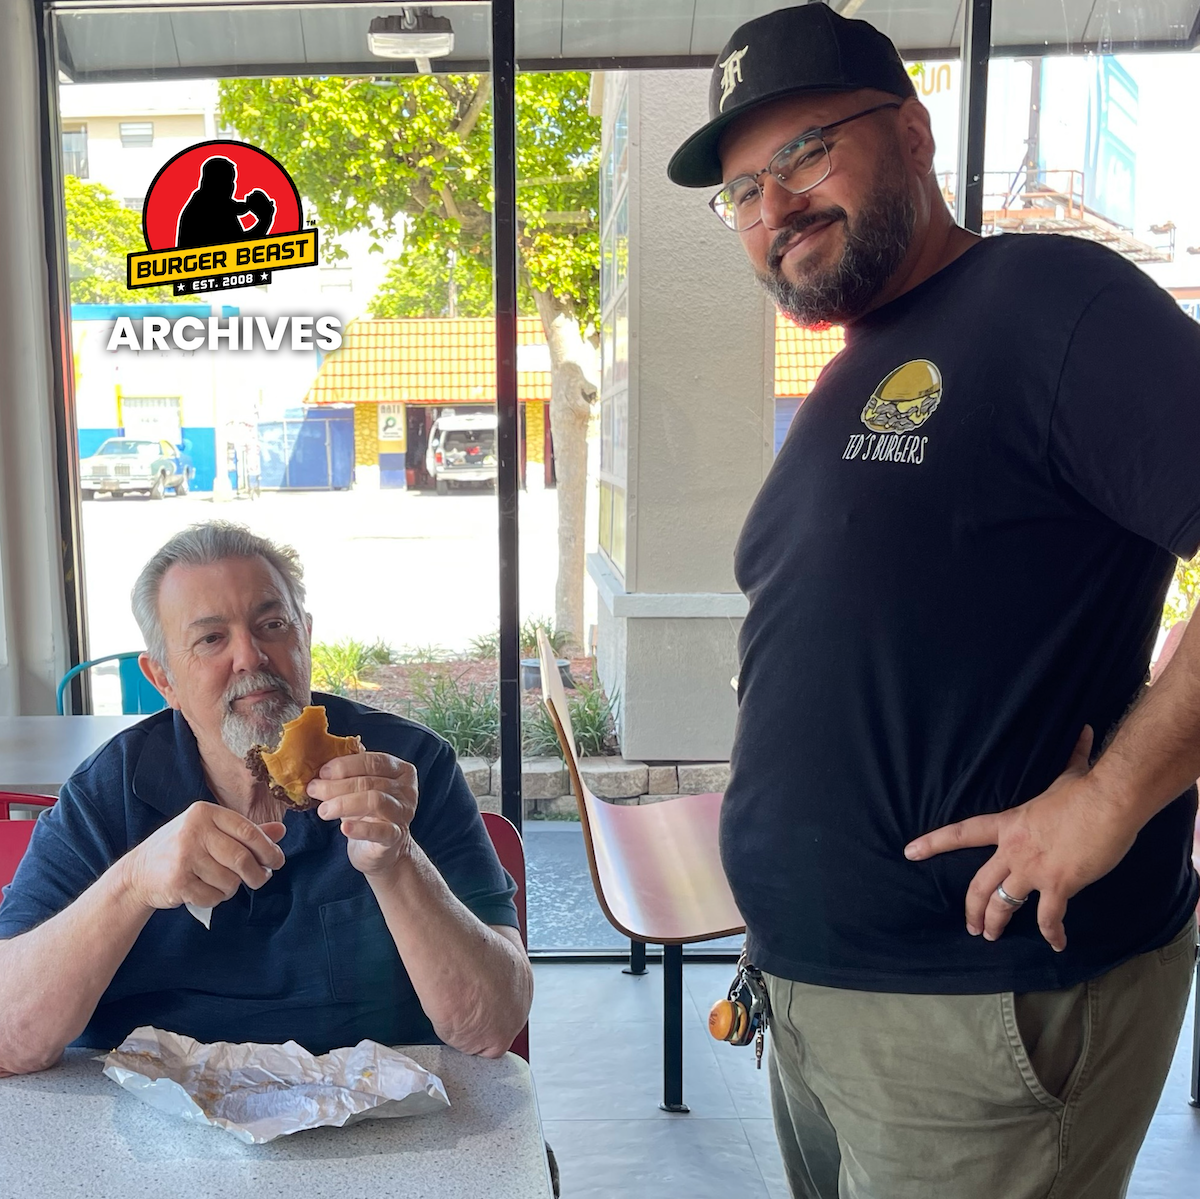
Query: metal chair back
x,y
138,695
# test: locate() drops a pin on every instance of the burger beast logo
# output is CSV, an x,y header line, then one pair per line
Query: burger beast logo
x,y
220,214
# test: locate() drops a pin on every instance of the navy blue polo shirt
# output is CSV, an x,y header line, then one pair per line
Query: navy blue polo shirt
x,y
307,957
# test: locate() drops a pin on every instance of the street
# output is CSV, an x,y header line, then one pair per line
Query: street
x,y
413,568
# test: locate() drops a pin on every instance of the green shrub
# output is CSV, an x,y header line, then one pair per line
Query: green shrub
x,y
339,666
591,721
484,648
487,646
529,636
538,736
419,655
380,653
466,714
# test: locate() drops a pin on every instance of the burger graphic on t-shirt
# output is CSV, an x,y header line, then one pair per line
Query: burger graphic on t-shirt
x,y
906,399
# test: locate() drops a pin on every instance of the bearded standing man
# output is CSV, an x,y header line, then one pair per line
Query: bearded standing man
x,y
978,961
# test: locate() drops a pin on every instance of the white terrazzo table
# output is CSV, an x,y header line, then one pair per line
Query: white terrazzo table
x,y
72,1132
39,753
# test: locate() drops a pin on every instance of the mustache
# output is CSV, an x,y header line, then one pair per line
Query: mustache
x,y
261,680
797,223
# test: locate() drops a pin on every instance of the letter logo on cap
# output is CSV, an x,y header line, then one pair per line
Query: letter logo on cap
x,y
732,68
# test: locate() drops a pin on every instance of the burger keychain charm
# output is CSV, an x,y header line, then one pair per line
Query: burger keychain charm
x,y
744,1014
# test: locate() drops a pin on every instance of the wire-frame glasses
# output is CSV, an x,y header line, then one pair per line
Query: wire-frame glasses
x,y
797,167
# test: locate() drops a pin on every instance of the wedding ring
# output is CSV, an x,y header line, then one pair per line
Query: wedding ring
x,y
1011,900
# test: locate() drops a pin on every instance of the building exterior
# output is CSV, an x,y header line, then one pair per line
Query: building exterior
x,y
399,375
120,134
231,408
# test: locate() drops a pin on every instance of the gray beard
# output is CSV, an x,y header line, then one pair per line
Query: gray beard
x,y
265,726
876,244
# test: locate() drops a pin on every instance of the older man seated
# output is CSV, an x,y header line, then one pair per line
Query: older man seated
x,y
381,913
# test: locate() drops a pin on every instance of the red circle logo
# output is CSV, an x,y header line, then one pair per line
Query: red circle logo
x,y
218,192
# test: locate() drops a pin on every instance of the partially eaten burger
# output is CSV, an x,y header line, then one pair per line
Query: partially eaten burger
x,y
306,745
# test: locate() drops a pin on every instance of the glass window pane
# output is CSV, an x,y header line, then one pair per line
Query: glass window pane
x,y
375,458
1088,143
137,133
74,146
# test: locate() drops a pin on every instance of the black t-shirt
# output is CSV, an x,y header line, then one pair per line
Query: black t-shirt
x,y
958,560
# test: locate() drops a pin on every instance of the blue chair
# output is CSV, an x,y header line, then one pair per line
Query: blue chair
x,y
138,694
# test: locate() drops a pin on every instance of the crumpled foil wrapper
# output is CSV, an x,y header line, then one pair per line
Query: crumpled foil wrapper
x,y
260,1092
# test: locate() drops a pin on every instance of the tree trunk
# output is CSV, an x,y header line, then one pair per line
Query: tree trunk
x,y
572,393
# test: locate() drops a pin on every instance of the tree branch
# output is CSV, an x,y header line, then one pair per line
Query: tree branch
x,y
451,207
466,123
478,104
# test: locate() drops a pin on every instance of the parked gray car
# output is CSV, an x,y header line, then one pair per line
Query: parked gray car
x,y
124,464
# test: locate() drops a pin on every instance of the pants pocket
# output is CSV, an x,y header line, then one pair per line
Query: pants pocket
x,y
1049,1033
1184,942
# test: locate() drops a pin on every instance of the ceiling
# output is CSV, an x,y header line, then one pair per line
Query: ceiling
x,y
143,39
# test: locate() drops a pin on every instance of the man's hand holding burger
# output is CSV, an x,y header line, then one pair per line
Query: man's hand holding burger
x,y
374,796
473,980
202,857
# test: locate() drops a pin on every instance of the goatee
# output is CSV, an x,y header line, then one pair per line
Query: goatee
x,y
876,243
264,724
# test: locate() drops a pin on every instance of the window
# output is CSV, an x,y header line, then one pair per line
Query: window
x,y
74,149
137,133
337,278
134,203
614,323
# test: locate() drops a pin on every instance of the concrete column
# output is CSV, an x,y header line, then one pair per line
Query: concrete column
x,y
33,629
701,394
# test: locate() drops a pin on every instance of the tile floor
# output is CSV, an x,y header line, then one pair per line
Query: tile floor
x,y
597,1061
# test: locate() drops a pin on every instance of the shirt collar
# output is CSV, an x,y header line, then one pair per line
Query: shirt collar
x,y
169,776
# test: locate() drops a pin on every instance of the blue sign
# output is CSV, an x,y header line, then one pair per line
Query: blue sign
x,y
1111,156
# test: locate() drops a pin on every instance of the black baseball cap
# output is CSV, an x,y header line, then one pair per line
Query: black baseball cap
x,y
805,49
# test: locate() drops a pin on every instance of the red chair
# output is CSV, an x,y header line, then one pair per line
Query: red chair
x,y
15,834
510,851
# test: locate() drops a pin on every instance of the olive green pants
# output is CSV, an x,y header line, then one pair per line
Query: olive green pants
x,y
1042,1095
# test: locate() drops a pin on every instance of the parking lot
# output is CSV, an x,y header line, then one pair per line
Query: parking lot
x,y
412,568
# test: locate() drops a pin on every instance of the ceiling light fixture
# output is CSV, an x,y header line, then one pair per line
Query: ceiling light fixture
x,y
412,33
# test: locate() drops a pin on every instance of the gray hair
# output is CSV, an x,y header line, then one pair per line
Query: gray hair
x,y
202,545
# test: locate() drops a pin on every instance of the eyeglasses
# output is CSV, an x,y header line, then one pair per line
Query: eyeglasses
x,y
798,167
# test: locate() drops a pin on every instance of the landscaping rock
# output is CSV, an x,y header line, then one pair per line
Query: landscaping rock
x,y
489,803
655,798
701,778
559,807
664,780
478,773
541,778
628,801
614,778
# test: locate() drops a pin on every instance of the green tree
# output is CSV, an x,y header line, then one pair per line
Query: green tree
x,y
101,231
440,282
412,154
